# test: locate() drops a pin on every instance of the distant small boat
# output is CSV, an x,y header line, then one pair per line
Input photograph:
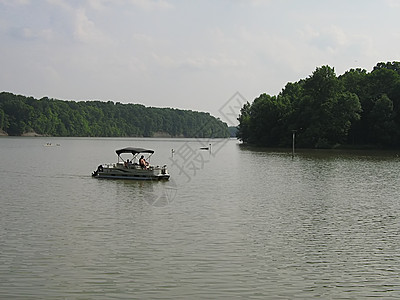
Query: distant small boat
x,y
206,148
132,169
51,145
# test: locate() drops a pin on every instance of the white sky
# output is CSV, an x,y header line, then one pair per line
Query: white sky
x,y
183,53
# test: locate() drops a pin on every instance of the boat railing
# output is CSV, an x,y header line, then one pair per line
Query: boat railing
x,y
132,166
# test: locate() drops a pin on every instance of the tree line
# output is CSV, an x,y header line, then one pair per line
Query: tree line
x,y
52,117
358,108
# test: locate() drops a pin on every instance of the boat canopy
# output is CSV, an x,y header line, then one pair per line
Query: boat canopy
x,y
134,150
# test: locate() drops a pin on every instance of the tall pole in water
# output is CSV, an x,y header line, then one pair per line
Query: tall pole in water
x,y
293,141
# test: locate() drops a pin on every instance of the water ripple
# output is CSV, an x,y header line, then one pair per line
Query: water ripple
x,y
317,226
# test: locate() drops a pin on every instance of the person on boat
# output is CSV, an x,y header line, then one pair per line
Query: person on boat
x,y
127,163
142,162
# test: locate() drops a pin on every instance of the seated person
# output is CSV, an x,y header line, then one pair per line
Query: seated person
x,y
128,163
142,162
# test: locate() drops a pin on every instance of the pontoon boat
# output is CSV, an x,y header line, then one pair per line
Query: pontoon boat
x,y
135,168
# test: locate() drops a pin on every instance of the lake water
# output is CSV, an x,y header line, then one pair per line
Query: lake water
x,y
233,223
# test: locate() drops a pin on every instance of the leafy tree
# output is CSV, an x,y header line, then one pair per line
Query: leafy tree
x,y
355,108
3,120
245,128
382,125
19,114
327,112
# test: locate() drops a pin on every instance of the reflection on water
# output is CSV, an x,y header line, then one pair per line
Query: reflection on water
x,y
334,222
250,224
158,194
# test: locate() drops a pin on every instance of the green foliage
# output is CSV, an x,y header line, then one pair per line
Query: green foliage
x,y
19,114
356,108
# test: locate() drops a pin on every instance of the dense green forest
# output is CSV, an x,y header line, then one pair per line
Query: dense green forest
x,y
20,114
355,109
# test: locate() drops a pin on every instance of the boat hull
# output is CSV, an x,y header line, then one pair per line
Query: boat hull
x,y
130,177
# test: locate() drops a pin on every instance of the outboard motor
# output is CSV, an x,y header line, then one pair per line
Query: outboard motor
x,y
99,169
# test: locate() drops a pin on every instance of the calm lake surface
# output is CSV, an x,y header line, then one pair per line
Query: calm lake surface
x,y
236,223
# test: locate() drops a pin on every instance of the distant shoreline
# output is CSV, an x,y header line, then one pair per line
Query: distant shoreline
x,y
155,136
343,147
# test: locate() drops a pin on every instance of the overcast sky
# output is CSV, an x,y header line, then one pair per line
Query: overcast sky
x,y
183,53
